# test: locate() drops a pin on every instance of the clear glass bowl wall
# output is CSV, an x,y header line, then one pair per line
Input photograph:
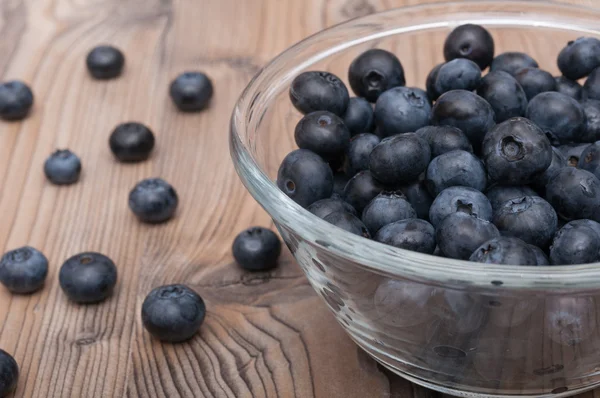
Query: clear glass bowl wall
x,y
457,327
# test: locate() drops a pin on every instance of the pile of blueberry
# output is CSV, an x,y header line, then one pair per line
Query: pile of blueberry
x,y
501,168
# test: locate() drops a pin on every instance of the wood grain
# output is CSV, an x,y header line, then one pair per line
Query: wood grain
x,y
265,335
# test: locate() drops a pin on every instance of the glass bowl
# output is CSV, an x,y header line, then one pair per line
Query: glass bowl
x,y
457,327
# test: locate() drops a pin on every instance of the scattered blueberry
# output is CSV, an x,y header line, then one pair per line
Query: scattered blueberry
x,y
455,168
470,41
512,62
572,153
535,81
349,222
504,94
357,158
419,197
402,110
559,116
541,257
63,167
458,74
575,194
323,133
305,177
153,200
591,87
590,159
105,62
324,207
591,129
319,91
412,234
256,249
131,142
374,72
499,194
399,159
9,373
386,208
191,91
575,244
359,116
432,93
23,270
16,100
460,199
173,313
579,58
459,234
569,87
505,250
361,189
442,139
88,277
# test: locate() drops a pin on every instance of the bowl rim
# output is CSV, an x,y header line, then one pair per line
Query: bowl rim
x,y
375,256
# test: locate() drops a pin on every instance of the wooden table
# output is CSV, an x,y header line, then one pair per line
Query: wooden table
x,y
263,336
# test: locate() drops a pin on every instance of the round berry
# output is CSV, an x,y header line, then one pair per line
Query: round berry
x,y
191,91
419,197
541,257
386,208
444,139
459,234
402,110
591,87
575,194
460,199
504,94
505,250
153,200
572,153
569,87
559,116
455,168
323,133
88,277
539,182
458,74
16,100
9,373
575,243
500,194
535,81
399,159
374,72
63,167
359,117
305,177
432,93
256,249
105,62
512,62
361,189
131,142
319,91
23,270
357,158
590,159
348,222
472,42
411,234
579,58
324,207
591,129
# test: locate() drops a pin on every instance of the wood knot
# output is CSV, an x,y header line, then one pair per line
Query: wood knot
x,y
86,340
255,278
357,8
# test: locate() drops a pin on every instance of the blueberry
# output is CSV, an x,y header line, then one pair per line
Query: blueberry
x,y
324,207
559,116
402,110
399,159
63,167
88,277
340,179
419,197
590,159
575,244
191,91
359,116
412,234
459,234
455,168
442,139
529,218
535,81
499,194
131,142
512,62
465,110
504,94
23,270
386,208
568,87
361,189
173,313
9,373
16,100
357,158
256,249
374,72
105,62
591,129
458,74
557,163
505,250
572,153
472,42
575,194
541,257
515,151
591,87
319,91
460,199
153,200
579,58
305,177
595,226
432,93
349,222
323,133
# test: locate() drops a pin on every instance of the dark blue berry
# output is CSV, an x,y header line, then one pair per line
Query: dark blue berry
x,y
504,94
539,182
305,177
340,179
432,93
153,200
191,91
458,74
412,234
590,159
505,250
572,152
256,249
579,58
541,257
595,226
361,189
575,244
23,270
319,91
359,116
16,100
402,110
173,313
9,373
323,133
88,277
591,87
386,208
442,139
460,199
512,62
374,72
591,129
569,87
535,81
131,142
357,158
419,197
559,116
472,42
63,167
459,234
348,222
455,168
515,151
324,207
399,159
499,194
105,62
466,111
529,218
575,194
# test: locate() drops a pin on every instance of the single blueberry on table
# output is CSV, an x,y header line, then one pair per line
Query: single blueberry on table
x,y
323,133
319,91
499,194
419,197
539,182
569,87
88,277
590,159
559,116
572,153
402,110
579,58
574,194
256,249
505,250
374,72
62,167
361,189
105,62
541,257
16,100
153,200
535,81
504,94
173,313
575,244
357,157
359,116
324,207
9,373
191,91
23,270
432,93
386,208
472,42
412,234
442,139
458,74
305,177
455,168
512,62
131,142
459,234
349,222
460,199
515,151
399,159
591,129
